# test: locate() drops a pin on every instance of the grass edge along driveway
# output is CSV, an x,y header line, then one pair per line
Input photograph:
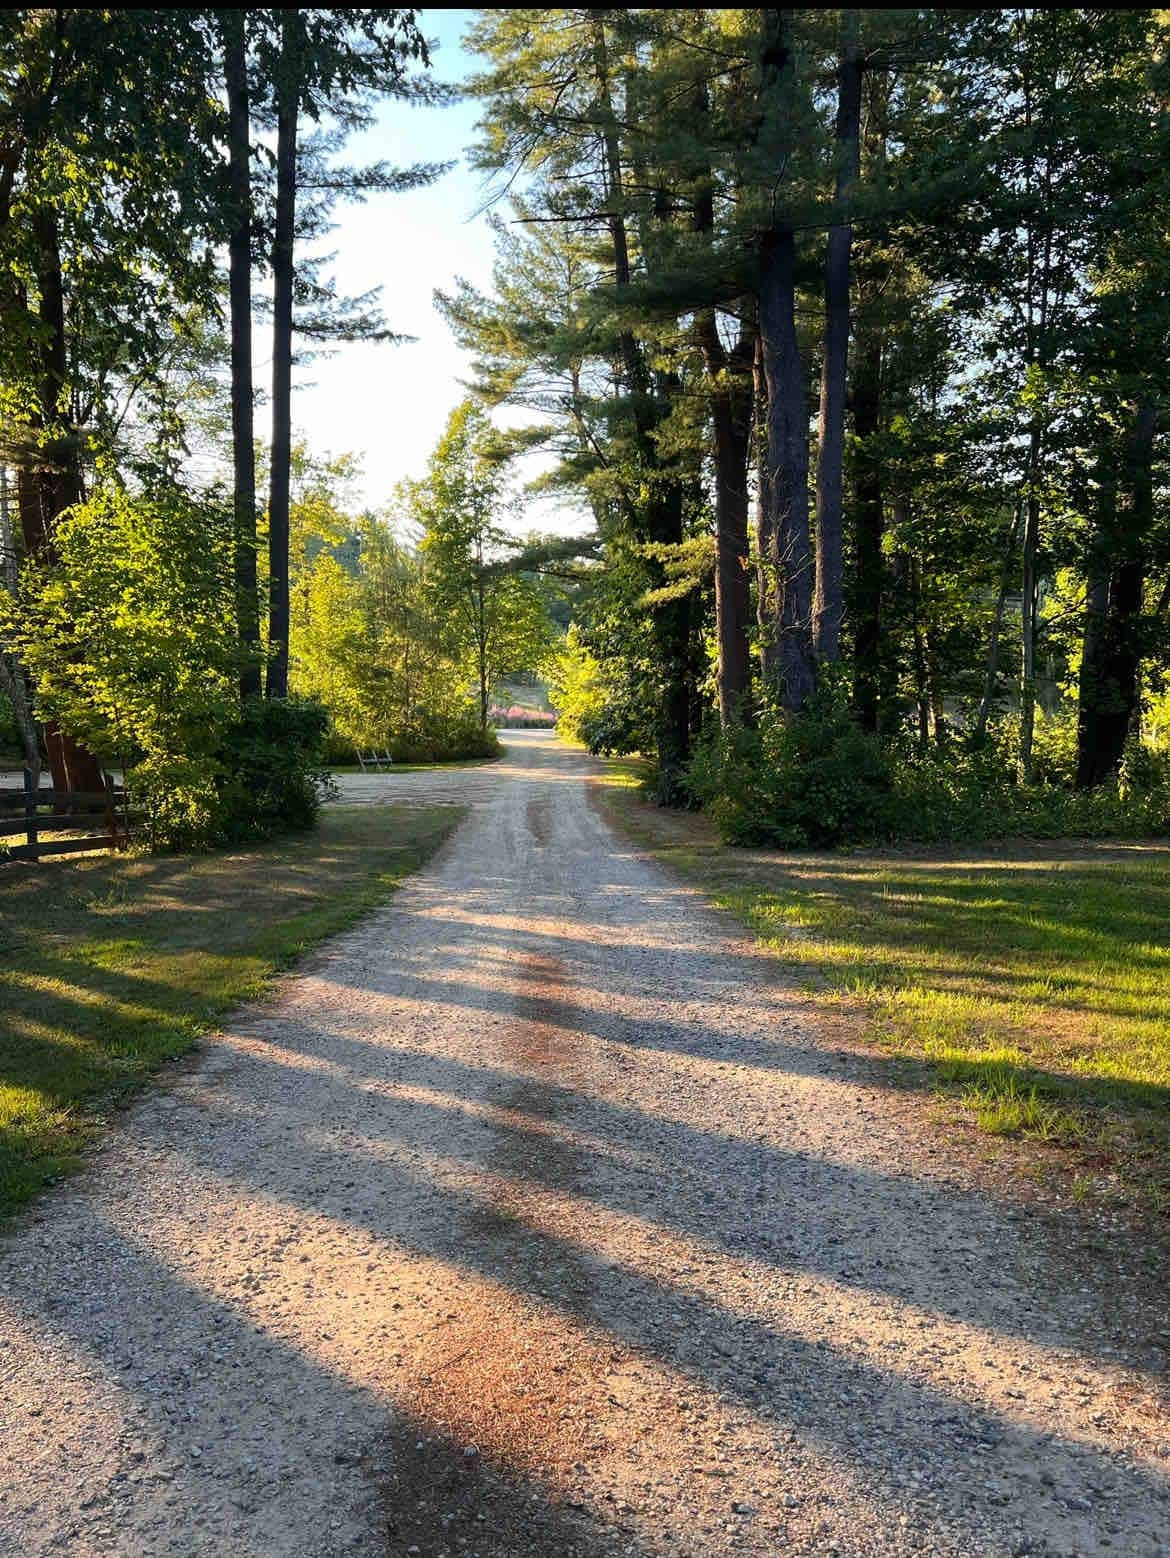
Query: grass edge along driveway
x,y
112,965
1028,981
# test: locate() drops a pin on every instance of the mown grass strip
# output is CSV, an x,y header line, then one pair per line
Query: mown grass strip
x,y
111,965
1033,980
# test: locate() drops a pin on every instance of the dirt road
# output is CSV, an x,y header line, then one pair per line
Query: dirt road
x,y
532,1218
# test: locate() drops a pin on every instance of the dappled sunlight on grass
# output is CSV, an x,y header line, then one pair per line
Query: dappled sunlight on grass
x,y
1037,981
110,965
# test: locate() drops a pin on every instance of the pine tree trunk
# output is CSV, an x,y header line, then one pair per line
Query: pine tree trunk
x,y
767,596
730,400
56,483
240,305
282,331
786,462
991,669
921,675
1111,652
829,597
786,490
12,676
869,534
1090,747
729,376
662,521
1030,601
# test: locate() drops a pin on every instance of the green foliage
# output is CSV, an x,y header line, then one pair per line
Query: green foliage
x,y
128,632
493,615
129,636
816,780
813,779
10,746
577,691
369,641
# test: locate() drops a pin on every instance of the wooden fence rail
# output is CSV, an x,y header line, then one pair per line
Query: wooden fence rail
x,y
86,815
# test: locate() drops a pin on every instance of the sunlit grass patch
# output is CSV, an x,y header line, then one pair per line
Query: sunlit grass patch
x,y
1033,980
110,966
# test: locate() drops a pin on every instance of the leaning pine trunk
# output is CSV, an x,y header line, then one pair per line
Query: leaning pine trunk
x,y
282,329
829,598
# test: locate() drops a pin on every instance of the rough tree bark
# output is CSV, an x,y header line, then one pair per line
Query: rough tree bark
x,y
1111,651
288,104
1028,610
12,680
991,668
730,398
662,521
828,600
731,426
767,598
869,533
55,483
786,466
240,307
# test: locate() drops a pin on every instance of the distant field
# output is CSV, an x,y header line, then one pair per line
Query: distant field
x,y
526,697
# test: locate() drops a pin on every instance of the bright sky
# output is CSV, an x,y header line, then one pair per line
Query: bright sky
x,y
388,404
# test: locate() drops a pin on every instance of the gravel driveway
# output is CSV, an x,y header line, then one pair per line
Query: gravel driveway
x,y
533,1218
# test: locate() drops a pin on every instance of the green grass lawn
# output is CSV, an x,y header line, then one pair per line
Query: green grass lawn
x,y
110,965
1032,981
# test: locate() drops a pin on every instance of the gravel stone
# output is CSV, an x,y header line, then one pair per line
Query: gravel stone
x,y
538,1217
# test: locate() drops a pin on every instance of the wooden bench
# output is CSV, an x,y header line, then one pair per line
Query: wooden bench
x,y
374,761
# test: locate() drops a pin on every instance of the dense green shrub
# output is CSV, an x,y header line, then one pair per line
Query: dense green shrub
x,y
265,776
130,638
441,738
598,705
338,751
444,739
272,777
817,780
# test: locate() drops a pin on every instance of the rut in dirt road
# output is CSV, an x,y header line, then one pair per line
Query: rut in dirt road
x,y
532,1220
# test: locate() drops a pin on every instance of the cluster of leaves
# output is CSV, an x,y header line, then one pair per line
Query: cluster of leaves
x,y
134,148
129,634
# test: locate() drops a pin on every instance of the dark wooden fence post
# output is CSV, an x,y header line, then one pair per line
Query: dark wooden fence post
x,y
111,810
30,813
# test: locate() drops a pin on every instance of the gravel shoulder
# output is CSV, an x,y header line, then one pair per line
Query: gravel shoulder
x,y
537,1216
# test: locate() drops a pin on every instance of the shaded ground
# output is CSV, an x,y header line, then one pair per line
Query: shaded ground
x,y
535,1218
112,964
